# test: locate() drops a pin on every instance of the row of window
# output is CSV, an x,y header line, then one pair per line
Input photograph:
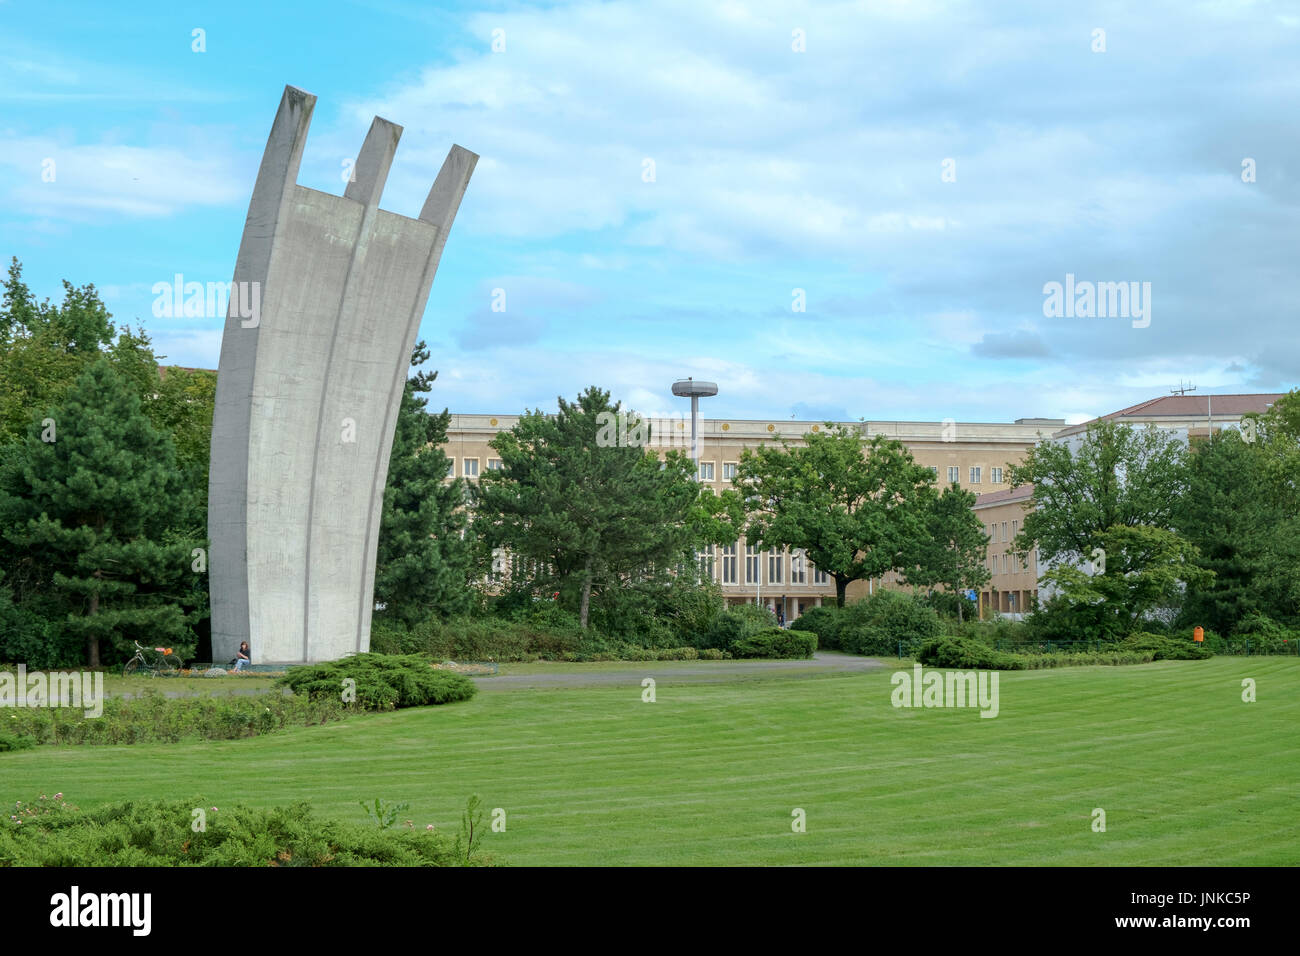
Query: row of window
x,y
778,562
1006,563
992,530
975,475
470,466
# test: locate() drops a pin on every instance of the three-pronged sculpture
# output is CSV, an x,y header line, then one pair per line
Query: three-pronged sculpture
x,y
308,391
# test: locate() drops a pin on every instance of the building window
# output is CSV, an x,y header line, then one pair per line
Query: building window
x,y
1004,532
494,464
729,470
1015,528
775,559
706,471
753,564
934,470
820,576
471,467
706,562
954,473
729,564
974,474
995,475
451,468
798,567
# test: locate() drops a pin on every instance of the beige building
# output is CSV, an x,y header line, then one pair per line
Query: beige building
x,y
975,455
1013,581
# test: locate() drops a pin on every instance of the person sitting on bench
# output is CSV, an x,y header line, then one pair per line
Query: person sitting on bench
x,y
243,658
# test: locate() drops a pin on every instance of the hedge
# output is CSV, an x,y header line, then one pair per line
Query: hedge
x,y
777,643
382,681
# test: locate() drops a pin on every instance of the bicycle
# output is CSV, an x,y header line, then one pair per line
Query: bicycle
x,y
164,662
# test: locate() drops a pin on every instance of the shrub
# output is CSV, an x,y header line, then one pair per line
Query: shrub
x,y
999,631
1058,619
712,654
777,643
871,640
878,624
823,621
1266,636
548,635
691,610
383,681
1259,627
153,717
50,832
946,604
394,637
1079,659
1165,648
15,742
966,654
737,623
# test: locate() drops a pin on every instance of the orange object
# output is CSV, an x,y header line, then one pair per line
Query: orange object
x,y
1198,635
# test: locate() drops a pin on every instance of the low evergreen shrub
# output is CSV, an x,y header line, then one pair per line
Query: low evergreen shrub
x,y
51,832
777,643
382,681
964,653
1164,648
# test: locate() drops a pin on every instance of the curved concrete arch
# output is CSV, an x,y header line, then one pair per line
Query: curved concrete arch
x,y
308,392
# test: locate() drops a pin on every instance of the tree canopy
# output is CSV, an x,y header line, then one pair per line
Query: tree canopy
x,y
854,506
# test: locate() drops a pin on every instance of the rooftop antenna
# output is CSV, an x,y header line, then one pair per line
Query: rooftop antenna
x,y
1182,389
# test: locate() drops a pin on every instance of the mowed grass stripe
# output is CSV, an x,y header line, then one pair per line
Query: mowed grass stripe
x,y
709,774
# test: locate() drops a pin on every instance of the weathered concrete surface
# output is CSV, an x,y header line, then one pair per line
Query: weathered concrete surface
x,y
307,395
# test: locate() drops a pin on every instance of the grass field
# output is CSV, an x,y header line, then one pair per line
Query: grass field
x,y
709,774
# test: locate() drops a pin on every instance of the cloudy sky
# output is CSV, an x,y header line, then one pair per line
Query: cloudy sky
x,y
662,184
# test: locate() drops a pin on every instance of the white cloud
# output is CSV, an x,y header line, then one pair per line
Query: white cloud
x,y
94,181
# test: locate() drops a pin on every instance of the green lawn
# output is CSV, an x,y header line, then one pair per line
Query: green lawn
x,y
1186,772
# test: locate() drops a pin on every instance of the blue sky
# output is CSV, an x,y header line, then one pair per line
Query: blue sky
x,y
775,170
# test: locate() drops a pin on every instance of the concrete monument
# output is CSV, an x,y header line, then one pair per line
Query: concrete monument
x,y
325,308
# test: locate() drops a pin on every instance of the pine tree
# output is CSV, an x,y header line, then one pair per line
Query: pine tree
x,y
423,563
97,493
587,513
